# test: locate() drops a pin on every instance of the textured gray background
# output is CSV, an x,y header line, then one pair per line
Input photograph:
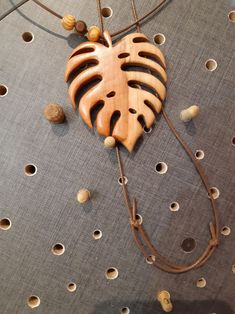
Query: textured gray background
x,y
43,208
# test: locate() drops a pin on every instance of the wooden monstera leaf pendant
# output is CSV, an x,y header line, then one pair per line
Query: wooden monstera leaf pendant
x,y
130,78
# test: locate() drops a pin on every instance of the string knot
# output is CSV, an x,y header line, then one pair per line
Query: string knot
x,y
134,223
213,242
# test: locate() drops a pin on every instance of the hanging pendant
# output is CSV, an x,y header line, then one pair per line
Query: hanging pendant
x,y
134,94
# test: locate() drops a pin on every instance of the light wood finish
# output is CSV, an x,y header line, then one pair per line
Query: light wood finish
x,y
114,90
189,113
54,113
165,299
109,142
68,22
83,196
94,33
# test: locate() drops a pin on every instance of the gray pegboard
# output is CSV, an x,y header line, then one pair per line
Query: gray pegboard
x,y
43,208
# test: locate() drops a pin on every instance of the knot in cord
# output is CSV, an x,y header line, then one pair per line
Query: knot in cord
x,y
213,242
134,222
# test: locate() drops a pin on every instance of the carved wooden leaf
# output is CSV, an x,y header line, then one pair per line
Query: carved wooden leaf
x,y
117,88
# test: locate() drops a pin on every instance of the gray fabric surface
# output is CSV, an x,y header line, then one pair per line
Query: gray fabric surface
x,y
43,208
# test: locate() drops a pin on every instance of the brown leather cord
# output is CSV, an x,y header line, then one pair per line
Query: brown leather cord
x,y
43,6
140,235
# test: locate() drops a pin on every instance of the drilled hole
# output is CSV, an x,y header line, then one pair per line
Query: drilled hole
x,y
225,231
5,224
97,234
131,110
71,287
125,180
33,301
58,249
150,259
215,192
199,154
233,268
233,141
125,310
188,245
107,12
147,130
201,282
139,219
231,16
159,39
174,206
30,170
211,65
161,167
3,90
28,37
111,94
111,273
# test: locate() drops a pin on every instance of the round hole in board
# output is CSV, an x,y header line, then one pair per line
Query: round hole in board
x,y
58,249
71,287
214,192
161,167
233,268
159,39
125,310
201,282
211,65
199,154
5,224
233,141
106,12
125,180
139,218
150,259
97,234
3,90
28,37
111,273
33,301
174,206
147,130
30,170
225,231
188,245
231,16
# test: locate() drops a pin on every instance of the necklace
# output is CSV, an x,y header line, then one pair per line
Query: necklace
x,y
133,49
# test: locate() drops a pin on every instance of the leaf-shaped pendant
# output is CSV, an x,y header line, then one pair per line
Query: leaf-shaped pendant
x,y
132,93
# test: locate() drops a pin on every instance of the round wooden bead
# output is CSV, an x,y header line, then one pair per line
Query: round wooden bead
x,y
83,196
109,142
54,113
94,33
81,27
68,22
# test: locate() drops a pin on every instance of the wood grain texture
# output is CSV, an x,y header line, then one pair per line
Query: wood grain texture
x,y
114,89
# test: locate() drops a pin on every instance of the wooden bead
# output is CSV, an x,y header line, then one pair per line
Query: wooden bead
x,y
83,196
94,33
189,113
109,142
165,299
54,113
68,22
81,27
